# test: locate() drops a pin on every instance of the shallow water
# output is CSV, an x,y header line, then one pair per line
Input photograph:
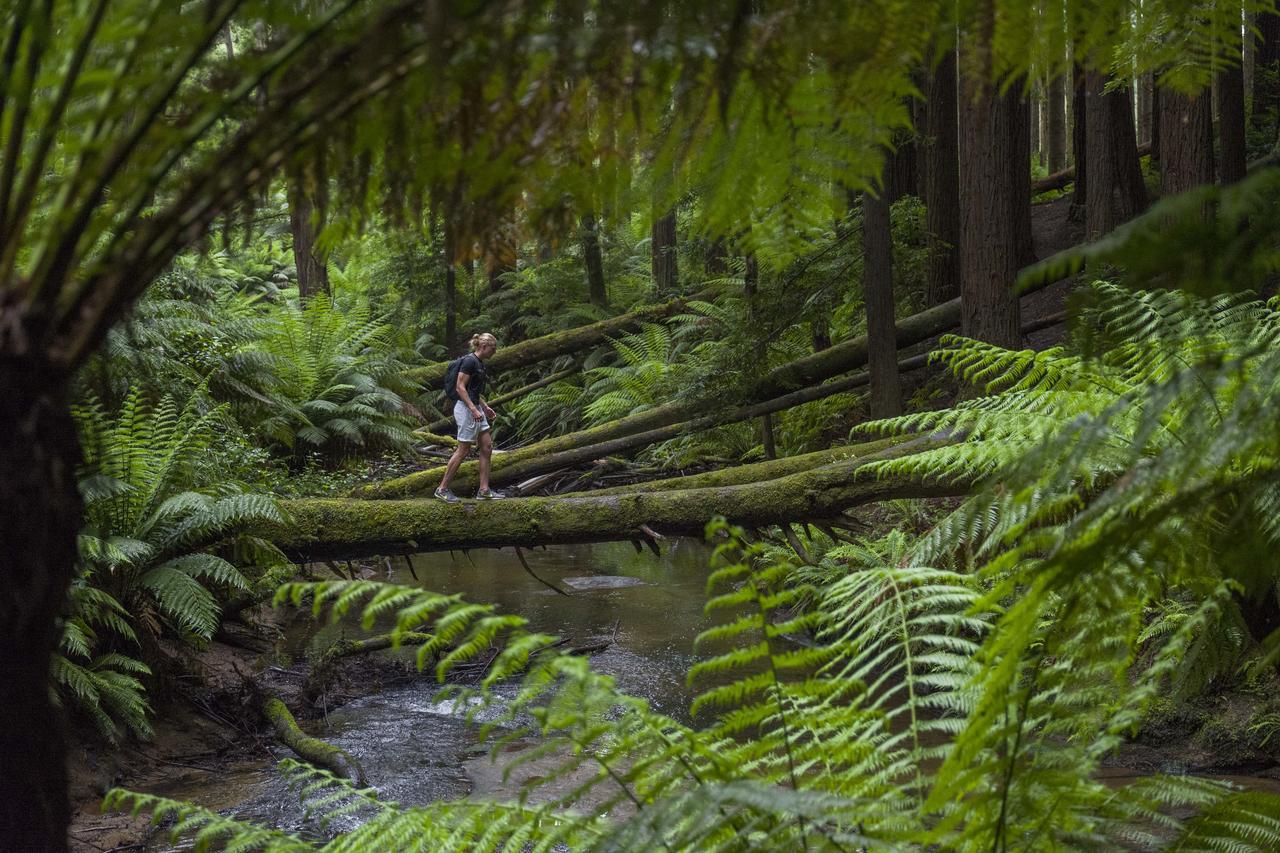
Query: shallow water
x,y
416,749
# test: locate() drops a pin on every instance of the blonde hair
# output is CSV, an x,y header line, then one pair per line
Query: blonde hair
x,y
482,339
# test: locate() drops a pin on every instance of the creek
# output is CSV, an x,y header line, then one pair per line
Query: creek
x,y
416,749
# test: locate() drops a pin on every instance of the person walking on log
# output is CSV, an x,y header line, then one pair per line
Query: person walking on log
x,y
465,385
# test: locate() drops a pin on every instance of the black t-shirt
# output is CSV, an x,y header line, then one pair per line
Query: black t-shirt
x,y
474,368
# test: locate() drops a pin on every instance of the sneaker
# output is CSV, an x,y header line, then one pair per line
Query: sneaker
x,y
447,496
489,495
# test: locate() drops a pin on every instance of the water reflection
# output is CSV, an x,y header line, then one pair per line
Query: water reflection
x,y
416,749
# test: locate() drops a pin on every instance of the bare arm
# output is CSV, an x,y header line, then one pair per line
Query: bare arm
x,y
461,387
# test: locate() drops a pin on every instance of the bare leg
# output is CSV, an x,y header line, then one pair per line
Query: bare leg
x,y
486,454
459,454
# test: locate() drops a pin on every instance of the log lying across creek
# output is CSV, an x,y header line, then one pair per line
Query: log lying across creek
x,y
344,528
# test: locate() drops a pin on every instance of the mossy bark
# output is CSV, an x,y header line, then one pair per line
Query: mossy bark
x,y
333,528
347,648
308,748
556,344
770,469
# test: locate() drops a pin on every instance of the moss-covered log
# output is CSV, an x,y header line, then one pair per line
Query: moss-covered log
x,y
429,437
756,472
329,528
308,748
557,344
381,642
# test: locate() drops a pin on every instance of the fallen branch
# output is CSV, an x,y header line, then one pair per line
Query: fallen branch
x,y
308,748
1059,179
527,568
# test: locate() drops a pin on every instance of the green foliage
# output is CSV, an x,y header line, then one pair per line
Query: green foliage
x,y
851,709
143,566
334,384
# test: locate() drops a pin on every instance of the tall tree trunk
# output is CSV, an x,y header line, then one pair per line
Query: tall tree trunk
x,y
1036,108
1131,190
1056,124
1100,214
450,295
1231,124
1266,70
942,182
1019,165
751,289
1186,141
1079,142
594,261
877,295
1250,51
1155,123
39,453
1145,82
1115,192
990,157
312,266
663,254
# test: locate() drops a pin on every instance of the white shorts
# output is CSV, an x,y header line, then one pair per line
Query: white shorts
x,y
469,428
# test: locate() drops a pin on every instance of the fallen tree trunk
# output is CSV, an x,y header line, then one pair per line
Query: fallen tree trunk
x,y
557,344
340,528
523,464
1059,179
310,749
381,642
737,475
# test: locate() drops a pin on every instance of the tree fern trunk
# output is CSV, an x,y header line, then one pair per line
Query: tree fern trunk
x,y
593,261
39,453
666,276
